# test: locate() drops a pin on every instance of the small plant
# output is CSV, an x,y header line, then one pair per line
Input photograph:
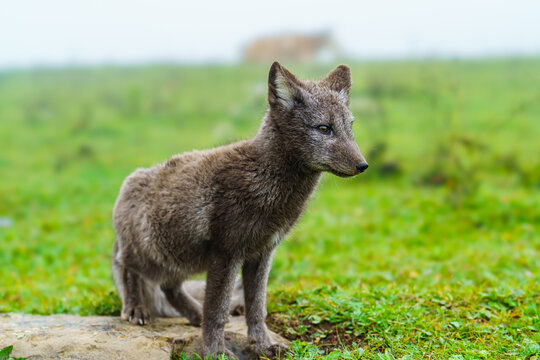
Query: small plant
x,y
5,354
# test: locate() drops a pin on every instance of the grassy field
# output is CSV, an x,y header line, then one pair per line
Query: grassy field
x,y
433,253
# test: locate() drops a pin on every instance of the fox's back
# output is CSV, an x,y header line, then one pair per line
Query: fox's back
x,y
170,205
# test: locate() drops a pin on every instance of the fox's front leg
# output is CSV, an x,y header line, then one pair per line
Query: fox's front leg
x,y
220,281
255,276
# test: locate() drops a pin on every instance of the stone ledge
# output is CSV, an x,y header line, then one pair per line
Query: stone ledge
x,y
105,337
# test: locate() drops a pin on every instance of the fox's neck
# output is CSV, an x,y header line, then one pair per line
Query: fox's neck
x,y
282,165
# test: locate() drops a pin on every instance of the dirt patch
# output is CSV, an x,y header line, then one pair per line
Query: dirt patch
x,y
325,335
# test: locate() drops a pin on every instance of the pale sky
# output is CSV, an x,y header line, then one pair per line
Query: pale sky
x,y
79,32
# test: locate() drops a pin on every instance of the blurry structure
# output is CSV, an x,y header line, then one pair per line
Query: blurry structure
x,y
292,47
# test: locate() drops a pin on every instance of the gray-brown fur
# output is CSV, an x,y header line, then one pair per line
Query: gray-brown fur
x,y
226,209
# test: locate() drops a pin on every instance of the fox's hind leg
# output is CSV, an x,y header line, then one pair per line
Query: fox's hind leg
x,y
133,305
183,302
130,288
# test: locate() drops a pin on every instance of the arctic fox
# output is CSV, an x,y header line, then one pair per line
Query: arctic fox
x,y
225,209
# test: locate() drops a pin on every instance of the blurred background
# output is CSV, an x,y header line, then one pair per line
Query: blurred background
x,y
62,32
447,100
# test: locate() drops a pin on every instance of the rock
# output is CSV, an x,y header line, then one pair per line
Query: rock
x,y
105,337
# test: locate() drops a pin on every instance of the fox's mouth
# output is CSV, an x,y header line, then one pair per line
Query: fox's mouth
x,y
341,174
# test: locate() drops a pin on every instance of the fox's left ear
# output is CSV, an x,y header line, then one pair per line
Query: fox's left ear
x,y
284,89
339,79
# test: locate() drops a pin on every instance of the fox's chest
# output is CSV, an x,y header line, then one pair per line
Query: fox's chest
x,y
254,246
258,212
270,226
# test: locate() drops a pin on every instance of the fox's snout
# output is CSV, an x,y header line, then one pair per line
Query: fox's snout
x,y
358,164
348,169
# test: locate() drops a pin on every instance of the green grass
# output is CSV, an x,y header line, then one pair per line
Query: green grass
x,y
433,253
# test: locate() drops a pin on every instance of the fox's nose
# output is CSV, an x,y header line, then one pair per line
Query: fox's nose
x,y
362,166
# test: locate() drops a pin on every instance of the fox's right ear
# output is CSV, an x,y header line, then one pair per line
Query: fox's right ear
x,y
339,79
284,89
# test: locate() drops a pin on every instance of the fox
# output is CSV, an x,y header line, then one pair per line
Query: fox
x,y
226,209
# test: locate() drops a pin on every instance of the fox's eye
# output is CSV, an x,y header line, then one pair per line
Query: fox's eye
x,y
327,130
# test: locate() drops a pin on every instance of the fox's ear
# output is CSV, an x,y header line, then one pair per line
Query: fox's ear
x,y
339,79
284,89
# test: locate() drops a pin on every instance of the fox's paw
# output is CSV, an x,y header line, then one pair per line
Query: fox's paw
x,y
195,318
238,310
136,315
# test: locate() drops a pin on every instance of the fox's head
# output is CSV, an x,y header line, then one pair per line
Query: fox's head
x,y
313,120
